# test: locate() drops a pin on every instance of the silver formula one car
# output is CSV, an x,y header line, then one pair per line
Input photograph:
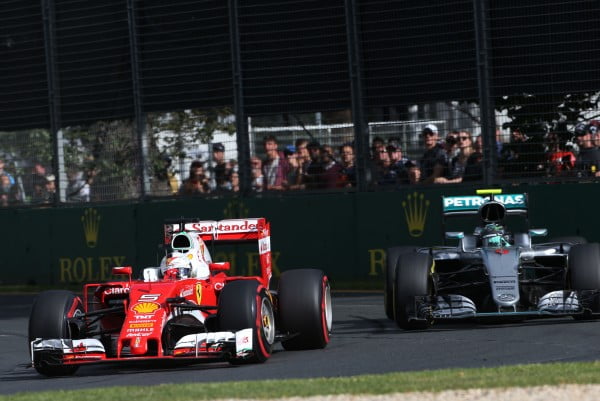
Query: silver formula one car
x,y
492,272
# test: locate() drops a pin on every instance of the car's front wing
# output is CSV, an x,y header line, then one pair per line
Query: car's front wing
x,y
212,346
555,303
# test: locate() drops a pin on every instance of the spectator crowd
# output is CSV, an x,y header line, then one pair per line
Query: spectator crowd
x,y
458,157
309,165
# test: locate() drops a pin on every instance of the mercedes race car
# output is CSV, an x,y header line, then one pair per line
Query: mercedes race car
x,y
187,308
492,272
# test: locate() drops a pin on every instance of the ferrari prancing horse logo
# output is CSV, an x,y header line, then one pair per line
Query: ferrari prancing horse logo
x,y
198,293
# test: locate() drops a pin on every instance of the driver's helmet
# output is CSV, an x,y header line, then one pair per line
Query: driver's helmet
x,y
177,266
493,235
187,252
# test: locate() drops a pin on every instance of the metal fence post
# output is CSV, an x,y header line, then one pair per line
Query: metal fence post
x,y
49,19
361,127
241,123
486,103
139,116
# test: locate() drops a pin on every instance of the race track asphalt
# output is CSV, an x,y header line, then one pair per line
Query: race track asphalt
x,y
364,341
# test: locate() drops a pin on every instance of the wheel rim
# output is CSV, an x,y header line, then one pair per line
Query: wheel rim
x,y
268,321
327,307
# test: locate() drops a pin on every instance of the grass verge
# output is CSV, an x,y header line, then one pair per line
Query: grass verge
x,y
433,380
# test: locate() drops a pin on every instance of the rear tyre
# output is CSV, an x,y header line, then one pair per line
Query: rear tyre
x,y
412,279
49,318
392,255
584,273
245,304
305,308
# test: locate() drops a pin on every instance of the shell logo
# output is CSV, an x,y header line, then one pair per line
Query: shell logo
x,y
145,307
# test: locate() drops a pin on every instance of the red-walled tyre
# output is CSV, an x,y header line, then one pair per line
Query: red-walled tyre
x,y
49,319
305,309
245,304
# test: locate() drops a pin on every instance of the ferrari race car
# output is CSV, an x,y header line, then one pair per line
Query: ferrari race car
x,y
492,272
187,308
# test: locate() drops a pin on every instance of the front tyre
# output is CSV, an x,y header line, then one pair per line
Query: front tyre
x,y
245,304
305,311
50,318
412,280
584,275
392,255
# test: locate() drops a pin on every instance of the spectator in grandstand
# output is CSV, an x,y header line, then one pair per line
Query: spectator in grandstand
x,y
588,159
5,190
16,195
312,177
50,189
219,169
33,173
294,171
478,144
499,141
78,187
303,156
413,173
595,130
275,166
234,166
257,174
397,159
234,178
377,145
525,155
330,177
348,167
458,163
197,182
164,181
474,167
3,171
39,190
5,185
433,163
382,169
451,145
560,160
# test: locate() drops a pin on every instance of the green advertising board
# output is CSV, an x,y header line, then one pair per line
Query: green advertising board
x,y
345,234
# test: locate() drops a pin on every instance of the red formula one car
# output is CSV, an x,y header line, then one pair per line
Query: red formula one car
x,y
187,308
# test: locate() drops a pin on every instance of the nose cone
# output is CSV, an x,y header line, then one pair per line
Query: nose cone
x,y
139,346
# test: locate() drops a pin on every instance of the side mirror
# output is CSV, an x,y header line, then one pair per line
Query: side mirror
x,y
122,271
455,234
219,267
538,232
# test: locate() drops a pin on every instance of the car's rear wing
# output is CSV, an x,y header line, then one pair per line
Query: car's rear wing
x,y
469,204
221,230
228,230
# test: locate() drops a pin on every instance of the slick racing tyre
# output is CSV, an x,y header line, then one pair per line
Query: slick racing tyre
x,y
412,279
304,308
245,304
50,319
584,274
392,255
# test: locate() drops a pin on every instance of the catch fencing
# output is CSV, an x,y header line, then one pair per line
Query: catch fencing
x,y
113,100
